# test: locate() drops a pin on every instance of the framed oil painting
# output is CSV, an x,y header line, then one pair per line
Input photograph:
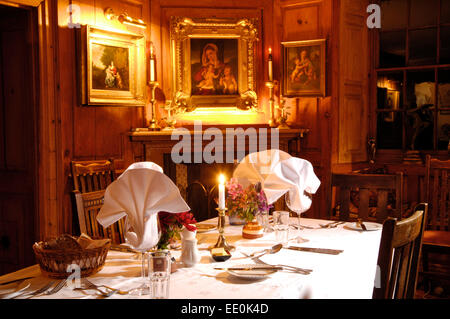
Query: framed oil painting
x,y
213,62
304,68
111,68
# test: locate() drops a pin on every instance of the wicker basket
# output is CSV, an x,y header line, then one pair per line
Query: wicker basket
x,y
54,262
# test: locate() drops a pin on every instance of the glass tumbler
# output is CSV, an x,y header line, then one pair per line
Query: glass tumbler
x,y
281,226
159,274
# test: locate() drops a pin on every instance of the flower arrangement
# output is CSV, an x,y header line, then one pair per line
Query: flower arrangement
x,y
171,225
245,203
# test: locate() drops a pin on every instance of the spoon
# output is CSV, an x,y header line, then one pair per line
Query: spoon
x,y
274,249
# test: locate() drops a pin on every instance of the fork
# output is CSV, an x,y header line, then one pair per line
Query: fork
x,y
332,224
40,290
57,288
112,291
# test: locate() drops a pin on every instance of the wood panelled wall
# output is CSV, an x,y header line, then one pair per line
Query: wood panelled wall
x,y
91,132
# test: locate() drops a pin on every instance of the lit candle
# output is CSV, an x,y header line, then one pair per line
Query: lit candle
x,y
270,65
221,191
152,64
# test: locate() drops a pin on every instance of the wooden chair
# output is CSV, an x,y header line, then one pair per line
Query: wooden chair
x,y
88,206
399,254
436,237
366,196
197,198
90,176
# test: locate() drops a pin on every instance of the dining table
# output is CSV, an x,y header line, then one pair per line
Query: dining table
x,y
349,274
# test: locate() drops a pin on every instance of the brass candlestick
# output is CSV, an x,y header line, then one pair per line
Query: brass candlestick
x,y
221,241
271,85
153,124
282,119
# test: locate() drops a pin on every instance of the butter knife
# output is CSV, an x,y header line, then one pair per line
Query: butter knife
x,y
252,268
317,250
361,224
15,280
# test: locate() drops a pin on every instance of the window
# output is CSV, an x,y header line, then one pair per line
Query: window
x,y
413,75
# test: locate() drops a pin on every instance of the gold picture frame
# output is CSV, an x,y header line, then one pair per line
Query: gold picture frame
x,y
112,69
304,70
213,62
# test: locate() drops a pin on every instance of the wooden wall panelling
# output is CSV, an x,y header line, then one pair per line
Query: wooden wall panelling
x,y
353,79
91,132
298,20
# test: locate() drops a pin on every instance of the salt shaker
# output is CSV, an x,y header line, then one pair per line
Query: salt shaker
x,y
189,251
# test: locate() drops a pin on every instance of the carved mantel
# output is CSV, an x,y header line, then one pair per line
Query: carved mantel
x,y
152,145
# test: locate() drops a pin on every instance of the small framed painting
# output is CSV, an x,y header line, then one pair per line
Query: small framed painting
x,y
304,68
111,67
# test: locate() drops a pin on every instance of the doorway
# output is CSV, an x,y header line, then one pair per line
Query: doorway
x,y
18,144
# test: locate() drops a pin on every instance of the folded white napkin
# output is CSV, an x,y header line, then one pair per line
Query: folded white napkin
x,y
139,194
257,166
296,176
279,173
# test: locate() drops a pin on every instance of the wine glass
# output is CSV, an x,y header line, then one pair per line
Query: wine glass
x,y
299,227
130,236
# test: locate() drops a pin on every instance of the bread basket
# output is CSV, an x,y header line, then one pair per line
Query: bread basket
x,y
60,263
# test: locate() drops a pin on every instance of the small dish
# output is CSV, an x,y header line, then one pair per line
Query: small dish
x,y
203,228
369,225
220,254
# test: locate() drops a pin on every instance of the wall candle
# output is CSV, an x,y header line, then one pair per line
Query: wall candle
x,y
270,65
152,65
221,191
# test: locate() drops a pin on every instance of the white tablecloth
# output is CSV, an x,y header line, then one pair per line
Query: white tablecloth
x,y
350,274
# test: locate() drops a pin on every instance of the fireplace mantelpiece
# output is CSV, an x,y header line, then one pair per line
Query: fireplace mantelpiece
x,y
152,145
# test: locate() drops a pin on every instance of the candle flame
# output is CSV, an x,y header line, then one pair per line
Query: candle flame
x,y
221,179
270,50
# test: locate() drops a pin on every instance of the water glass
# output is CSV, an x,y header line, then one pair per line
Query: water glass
x,y
159,274
281,226
263,219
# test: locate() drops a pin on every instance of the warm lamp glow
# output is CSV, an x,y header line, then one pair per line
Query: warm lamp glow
x,y
124,19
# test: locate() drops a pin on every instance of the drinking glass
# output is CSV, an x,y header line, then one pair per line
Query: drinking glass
x,y
144,288
159,273
281,226
299,227
263,219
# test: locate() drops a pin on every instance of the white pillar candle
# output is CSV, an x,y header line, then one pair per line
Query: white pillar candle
x,y
270,65
152,64
221,191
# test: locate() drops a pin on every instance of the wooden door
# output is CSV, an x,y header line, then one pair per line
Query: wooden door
x,y
17,140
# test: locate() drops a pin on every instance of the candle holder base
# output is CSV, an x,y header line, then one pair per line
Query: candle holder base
x,y
221,241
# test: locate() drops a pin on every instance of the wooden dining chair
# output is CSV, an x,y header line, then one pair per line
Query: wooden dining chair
x,y
369,197
90,176
88,206
399,255
436,237
197,198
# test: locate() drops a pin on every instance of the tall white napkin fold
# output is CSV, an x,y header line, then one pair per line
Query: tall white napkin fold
x,y
257,166
149,165
279,173
296,176
139,194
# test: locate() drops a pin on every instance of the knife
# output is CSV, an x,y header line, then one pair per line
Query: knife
x,y
317,250
15,280
360,223
251,268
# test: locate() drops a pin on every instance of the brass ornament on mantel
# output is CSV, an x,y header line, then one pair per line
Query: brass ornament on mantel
x,y
283,115
184,30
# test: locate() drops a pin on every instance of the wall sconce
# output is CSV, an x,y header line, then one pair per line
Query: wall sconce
x,y
124,18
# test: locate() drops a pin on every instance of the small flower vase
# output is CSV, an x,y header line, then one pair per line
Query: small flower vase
x,y
252,230
236,220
